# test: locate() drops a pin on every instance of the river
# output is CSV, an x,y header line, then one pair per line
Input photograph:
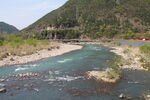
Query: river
x,y
63,78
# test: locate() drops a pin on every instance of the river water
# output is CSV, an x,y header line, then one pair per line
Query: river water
x,y
63,78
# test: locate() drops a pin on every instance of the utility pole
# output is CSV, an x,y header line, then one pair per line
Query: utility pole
x,y
77,13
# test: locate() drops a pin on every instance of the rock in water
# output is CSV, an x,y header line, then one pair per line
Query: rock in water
x,y
2,85
122,96
3,90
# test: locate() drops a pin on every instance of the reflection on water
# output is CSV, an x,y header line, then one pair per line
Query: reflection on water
x,y
63,78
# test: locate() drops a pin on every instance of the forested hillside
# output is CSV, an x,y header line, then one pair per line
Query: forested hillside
x,y
94,19
6,28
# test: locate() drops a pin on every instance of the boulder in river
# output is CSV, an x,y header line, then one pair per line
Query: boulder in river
x,y
3,90
147,97
2,80
2,85
123,96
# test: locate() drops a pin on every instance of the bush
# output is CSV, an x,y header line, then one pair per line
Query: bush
x,y
14,41
115,65
127,50
32,42
117,44
1,42
145,49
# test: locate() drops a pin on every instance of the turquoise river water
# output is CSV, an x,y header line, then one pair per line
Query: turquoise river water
x,y
63,78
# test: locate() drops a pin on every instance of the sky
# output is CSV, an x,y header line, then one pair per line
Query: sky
x,y
22,13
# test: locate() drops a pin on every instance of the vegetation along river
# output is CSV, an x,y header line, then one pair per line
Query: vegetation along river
x,y
62,78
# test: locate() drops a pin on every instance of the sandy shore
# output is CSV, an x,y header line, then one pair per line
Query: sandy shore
x,y
45,53
131,58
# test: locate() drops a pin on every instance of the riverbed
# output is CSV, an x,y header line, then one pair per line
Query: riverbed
x,y
63,78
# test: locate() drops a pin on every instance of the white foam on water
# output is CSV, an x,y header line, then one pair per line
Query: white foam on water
x,y
135,82
25,67
20,69
64,78
57,72
31,65
67,78
96,48
50,72
36,89
51,80
108,69
63,61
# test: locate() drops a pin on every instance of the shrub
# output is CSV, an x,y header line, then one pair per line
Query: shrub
x,y
117,44
1,42
32,42
145,49
112,74
115,65
14,41
126,50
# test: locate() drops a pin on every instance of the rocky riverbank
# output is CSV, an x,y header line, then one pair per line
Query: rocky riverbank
x,y
105,76
45,53
131,57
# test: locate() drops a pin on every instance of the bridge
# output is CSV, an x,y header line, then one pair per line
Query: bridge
x,y
78,40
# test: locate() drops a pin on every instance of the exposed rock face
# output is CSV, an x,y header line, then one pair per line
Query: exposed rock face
x,y
102,76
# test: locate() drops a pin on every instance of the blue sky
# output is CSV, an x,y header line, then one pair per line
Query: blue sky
x,y
22,13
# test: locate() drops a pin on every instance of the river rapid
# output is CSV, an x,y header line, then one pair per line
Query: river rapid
x,y
63,78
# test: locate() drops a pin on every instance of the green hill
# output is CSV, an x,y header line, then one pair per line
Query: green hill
x,y
95,18
6,28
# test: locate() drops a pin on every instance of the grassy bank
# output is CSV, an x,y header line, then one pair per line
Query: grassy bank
x,y
145,56
112,75
16,46
115,71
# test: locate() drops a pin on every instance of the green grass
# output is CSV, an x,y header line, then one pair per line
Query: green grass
x,y
145,58
145,49
32,42
17,46
1,42
115,71
115,65
45,43
117,44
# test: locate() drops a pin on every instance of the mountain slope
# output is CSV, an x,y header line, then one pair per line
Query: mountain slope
x,y
96,18
6,28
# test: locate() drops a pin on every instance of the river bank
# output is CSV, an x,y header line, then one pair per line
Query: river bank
x,y
105,76
41,54
131,57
